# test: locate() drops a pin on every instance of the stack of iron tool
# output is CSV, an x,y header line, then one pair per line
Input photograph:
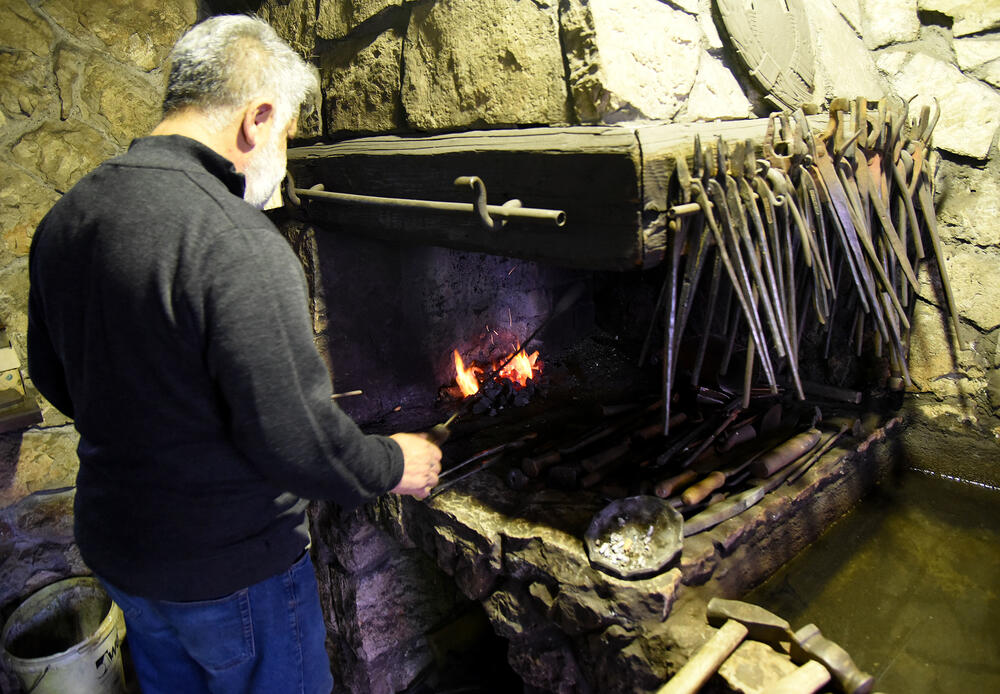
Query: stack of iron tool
x,y
817,234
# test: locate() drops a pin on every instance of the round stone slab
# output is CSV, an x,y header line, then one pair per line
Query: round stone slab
x,y
773,39
636,537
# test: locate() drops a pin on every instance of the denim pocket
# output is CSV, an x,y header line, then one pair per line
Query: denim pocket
x,y
217,633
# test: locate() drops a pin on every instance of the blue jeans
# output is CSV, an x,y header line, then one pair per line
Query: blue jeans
x,y
265,639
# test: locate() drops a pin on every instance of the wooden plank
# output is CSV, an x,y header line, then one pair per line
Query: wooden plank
x,y
591,173
556,139
612,182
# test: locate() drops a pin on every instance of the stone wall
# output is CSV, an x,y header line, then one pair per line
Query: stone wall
x,y
80,79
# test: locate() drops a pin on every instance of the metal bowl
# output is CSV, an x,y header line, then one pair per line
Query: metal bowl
x,y
636,537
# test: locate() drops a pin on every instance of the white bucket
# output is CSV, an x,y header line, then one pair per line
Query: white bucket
x,y
67,639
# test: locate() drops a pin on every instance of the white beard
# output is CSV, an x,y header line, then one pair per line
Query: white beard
x,y
264,173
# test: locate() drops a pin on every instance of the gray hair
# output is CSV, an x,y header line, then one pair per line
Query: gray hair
x,y
226,61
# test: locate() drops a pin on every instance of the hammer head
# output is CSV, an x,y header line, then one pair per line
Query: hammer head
x,y
761,624
809,644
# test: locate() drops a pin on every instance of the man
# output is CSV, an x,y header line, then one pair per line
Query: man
x,y
169,318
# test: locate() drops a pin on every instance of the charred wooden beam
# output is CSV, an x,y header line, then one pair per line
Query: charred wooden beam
x,y
612,183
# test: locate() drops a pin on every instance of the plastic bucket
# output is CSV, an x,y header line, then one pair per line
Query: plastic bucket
x,y
67,639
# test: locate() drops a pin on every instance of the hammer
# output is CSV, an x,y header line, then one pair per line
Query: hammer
x,y
806,644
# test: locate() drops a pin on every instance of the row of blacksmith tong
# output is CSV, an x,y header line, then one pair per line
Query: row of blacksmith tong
x,y
818,225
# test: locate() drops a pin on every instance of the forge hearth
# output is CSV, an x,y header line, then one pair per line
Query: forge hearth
x,y
574,628
623,404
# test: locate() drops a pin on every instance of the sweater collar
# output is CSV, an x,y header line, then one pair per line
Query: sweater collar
x,y
186,153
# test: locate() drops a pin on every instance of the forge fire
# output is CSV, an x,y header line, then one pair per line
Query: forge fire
x,y
517,368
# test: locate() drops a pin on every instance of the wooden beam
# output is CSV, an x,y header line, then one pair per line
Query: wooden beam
x,y
610,181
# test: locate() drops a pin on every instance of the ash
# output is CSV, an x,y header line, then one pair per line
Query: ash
x,y
628,547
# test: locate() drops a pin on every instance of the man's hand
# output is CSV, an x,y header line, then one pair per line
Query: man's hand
x,y
421,465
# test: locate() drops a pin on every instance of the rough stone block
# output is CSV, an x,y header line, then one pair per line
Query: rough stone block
x,y
969,206
716,93
36,535
844,66
993,390
136,33
548,665
580,609
295,22
513,612
393,672
547,553
885,22
46,460
753,667
24,30
970,16
647,600
338,18
697,559
395,603
713,41
62,151
364,547
970,110
630,60
934,364
24,83
616,650
979,57
360,81
128,104
23,203
849,10
494,62
973,52
972,272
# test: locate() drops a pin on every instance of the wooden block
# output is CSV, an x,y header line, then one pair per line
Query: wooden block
x,y
610,181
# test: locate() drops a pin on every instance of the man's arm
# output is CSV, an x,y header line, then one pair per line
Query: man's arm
x,y
44,365
260,352
421,465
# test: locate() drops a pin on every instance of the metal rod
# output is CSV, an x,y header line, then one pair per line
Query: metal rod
x,y
348,394
556,217
685,209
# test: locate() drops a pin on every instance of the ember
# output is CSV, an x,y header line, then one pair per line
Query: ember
x,y
517,368
521,367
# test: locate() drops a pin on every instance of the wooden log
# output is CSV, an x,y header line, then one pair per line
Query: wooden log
x,y
786,453
610,181
806,679
592,173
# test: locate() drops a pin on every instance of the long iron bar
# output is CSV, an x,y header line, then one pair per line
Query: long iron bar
x,y
505,211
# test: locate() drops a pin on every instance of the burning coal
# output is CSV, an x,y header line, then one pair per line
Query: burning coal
x,y
516,367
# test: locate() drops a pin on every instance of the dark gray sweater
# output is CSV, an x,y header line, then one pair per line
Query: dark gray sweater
x,y
169,319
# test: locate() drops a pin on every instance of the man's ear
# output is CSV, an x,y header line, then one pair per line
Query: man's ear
x,y
256,124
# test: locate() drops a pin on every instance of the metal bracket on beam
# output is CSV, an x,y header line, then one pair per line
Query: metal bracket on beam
x,y
485,213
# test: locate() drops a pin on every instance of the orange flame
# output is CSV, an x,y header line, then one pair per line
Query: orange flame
x,y
520,368
466,377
